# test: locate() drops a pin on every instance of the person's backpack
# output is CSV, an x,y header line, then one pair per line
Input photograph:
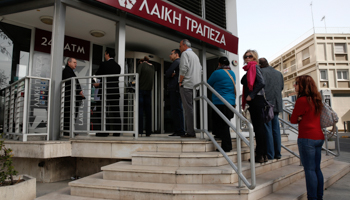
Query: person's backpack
x,y
328,117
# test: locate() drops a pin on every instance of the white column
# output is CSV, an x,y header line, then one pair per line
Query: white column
x,y
56,67
120,59
231,26
203,59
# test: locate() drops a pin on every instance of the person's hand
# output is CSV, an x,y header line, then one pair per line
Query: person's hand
x,y
173,75
300,118
96,85
180,84
248,98
81,94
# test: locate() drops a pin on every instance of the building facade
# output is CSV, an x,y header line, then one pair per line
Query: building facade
x,y
325,57
38,36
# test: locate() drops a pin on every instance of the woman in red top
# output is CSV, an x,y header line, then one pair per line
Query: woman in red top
x,y
307,113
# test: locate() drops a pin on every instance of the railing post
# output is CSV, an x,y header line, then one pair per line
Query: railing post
x,y
239,155
72,106
202,114
26,97
136,107
283,117
103,104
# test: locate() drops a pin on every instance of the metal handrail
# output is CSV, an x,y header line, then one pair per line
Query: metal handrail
x,y
250,143
88,100
19,107
325,131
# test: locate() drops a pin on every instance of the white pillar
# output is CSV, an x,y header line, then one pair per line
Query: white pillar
x,y
203,59
58,29
231,26
120,59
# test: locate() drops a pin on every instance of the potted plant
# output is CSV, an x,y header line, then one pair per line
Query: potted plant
x,y
21,187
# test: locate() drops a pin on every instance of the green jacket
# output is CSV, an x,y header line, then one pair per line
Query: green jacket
x,y
146,75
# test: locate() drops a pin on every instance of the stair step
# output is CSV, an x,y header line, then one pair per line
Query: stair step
x,y
194,159
64,194
96,186
124,171
297,190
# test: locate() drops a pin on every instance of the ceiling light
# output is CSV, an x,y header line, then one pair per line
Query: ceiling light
x,y
97,33
46,20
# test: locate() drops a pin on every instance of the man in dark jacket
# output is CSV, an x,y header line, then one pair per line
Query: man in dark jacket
x,y
69,73
172,74
274,85
110,67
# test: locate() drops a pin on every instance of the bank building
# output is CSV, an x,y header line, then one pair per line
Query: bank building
x,y
52,143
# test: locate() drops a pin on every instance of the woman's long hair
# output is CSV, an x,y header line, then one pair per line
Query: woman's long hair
x,y
308,89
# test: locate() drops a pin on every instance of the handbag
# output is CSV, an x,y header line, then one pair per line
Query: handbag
x,y
328,117
267,112
234,84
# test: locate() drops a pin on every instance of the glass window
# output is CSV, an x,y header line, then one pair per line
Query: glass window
x,y
323,74
6,48
305,53
342,75
339,48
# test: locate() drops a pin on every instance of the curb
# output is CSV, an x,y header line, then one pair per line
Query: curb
x,y
345,136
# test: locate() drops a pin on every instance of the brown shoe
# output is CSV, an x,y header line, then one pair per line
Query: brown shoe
x,y
258,159
188,136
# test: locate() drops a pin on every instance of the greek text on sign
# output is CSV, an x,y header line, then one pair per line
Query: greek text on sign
x,y
173,17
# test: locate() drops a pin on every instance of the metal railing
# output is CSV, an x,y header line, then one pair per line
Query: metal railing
x,y
110,108
203,129
288,107
26,108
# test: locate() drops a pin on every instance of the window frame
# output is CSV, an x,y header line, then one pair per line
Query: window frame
x,y
326,73
342,74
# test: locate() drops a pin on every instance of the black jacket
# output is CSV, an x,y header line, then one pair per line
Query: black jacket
x,y
259,84
69,73
110,67
173,84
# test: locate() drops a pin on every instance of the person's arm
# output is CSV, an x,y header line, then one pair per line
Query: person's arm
x,y
170,71
258,85
98,72
299,110
212,79
183,68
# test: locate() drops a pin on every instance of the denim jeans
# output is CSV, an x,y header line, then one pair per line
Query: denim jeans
x,y
310,156
145,105
273,138
177,112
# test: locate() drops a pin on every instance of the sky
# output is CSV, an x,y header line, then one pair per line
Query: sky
x,y
269,26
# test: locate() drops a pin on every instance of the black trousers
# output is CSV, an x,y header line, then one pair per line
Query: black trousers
x,y
256,106
221,128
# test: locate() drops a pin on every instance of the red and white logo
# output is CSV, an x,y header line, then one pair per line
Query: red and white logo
x,y
127,3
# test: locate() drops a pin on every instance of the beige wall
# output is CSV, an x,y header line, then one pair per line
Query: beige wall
x,y
341,106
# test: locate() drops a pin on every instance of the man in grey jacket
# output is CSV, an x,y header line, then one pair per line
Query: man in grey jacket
x,y
190,75
273,90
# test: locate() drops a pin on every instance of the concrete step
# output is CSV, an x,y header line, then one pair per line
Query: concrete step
x,y
125,171
194,159
64,194
96,186
297,190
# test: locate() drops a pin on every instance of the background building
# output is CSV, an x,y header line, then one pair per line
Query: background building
x,y
325,57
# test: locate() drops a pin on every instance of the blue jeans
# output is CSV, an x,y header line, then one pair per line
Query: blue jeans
x,y
177,112
310,156
145,105
273,138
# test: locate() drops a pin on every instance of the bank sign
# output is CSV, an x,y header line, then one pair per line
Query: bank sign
x,y
170,16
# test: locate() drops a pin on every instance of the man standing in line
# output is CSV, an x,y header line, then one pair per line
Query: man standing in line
x,y
190,75
110,67
68,72
274,85
173,88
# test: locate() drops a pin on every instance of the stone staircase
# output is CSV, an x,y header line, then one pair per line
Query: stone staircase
x,y
201,175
